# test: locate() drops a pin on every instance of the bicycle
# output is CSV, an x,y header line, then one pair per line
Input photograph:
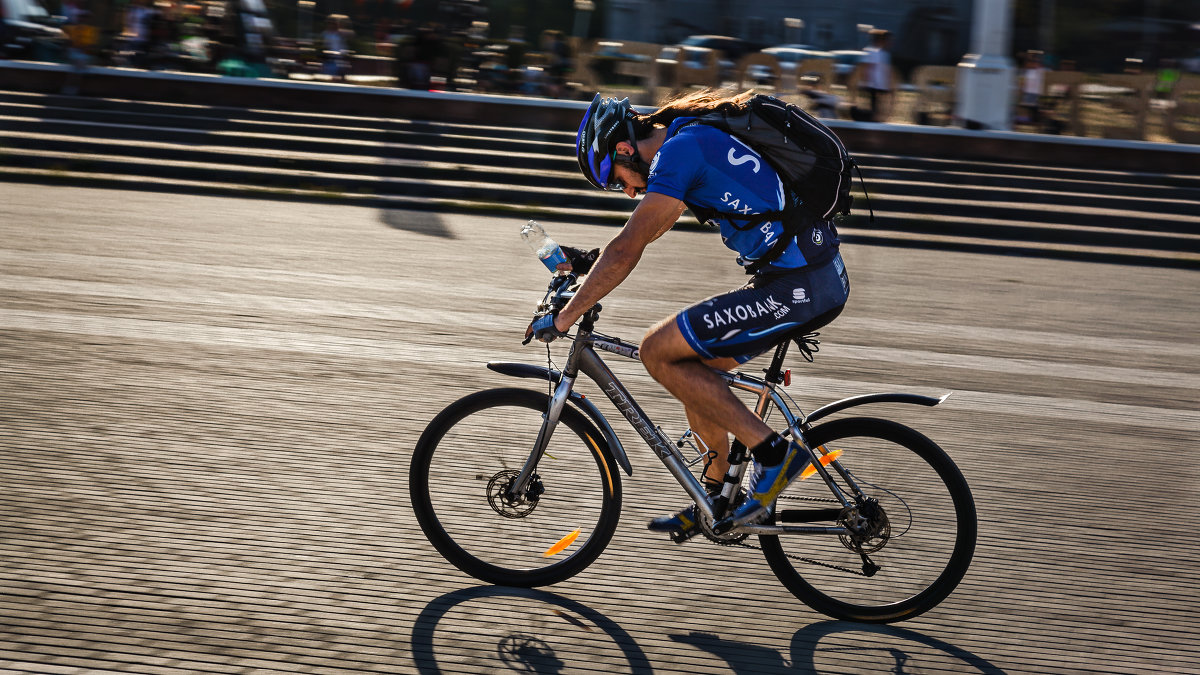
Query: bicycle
x,y
506,495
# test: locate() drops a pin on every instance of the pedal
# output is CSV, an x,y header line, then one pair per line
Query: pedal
x,y
681,536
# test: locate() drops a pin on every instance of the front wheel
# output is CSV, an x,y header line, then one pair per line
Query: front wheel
x,y
461,484
913,518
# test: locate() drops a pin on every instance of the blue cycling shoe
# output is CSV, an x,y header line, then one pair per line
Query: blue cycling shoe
x,y
767,482
685,521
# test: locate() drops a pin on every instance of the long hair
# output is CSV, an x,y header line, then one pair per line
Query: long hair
x,y
694,104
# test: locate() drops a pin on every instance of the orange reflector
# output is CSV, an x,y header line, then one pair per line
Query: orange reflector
x,y
562,544
825,460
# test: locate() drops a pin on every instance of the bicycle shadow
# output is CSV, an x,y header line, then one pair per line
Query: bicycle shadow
x,y
527,630
881,650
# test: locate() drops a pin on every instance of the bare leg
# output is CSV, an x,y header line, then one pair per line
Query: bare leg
x,y
671,361
716,439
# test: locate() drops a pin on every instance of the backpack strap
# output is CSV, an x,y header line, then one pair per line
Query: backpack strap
x,y
791,228
792,217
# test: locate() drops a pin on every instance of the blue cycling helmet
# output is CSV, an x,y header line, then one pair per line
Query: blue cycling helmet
x,y
605,124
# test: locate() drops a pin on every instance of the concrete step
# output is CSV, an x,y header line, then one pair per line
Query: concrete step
x,y
318,155
881,174
966,183
261,126
453,187
555,144
918,201
849,232
96,109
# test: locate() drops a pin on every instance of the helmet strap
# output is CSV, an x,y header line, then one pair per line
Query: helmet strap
x,y
637,156
634,161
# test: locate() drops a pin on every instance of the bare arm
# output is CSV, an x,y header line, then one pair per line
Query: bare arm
x,y
654,215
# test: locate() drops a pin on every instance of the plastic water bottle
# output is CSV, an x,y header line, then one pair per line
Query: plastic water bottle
x,y
545,248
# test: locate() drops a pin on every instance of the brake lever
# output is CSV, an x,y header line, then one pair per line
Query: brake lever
x,y
560,289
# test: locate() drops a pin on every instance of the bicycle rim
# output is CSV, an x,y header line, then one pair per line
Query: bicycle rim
x,y
922,532
462,471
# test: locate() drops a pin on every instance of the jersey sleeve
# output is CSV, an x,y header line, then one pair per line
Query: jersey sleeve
x,y
676,169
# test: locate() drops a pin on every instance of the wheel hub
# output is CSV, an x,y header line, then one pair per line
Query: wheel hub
x,y
868,525
509,504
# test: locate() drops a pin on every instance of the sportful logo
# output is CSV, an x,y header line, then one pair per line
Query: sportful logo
x,y
731,315
799,296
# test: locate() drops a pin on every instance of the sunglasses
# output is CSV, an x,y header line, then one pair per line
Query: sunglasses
x,y
612,184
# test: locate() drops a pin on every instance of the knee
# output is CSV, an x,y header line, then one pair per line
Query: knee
x,y
652,351
659,349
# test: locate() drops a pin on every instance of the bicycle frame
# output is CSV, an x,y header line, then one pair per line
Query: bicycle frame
x,y
583,358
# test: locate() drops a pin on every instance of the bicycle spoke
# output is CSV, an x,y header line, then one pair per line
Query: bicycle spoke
x,y
468,500
908,534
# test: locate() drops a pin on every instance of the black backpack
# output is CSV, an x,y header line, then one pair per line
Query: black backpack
x,y
806,154
809,158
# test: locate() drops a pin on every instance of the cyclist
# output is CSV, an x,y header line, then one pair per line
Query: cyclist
x,y
677,165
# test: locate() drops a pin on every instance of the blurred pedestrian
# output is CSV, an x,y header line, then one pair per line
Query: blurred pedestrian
x,y
335,43
1033,79
135,32
82,35
160,45
1165,80
426,46
875,74
558,64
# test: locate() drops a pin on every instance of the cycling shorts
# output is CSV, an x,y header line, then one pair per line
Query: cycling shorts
x,y
770,309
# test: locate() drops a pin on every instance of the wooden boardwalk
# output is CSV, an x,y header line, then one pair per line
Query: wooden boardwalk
x,y
207,407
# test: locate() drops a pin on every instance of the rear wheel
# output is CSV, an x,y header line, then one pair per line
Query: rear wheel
x,y
460,481
914,521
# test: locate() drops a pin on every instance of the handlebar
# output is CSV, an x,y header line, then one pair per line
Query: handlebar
x,y
559,292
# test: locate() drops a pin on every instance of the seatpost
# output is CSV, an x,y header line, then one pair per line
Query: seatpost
x,y
775,370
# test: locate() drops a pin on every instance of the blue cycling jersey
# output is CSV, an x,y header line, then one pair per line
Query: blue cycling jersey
x,y
705,167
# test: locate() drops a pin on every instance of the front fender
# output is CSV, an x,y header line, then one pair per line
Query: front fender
x,y
525,370
838,406
583,404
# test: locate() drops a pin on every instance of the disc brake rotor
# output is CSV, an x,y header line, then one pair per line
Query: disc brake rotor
x,y
509,505
868,525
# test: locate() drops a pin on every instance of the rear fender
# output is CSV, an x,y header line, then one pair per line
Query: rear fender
x,y
582,403
853,401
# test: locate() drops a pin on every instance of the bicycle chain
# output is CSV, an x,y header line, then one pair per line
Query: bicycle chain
x,y
793,556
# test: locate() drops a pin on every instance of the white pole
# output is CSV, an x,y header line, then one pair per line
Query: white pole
x,y
986,76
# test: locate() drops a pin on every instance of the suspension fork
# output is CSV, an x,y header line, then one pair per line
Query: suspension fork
x,y
550,418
